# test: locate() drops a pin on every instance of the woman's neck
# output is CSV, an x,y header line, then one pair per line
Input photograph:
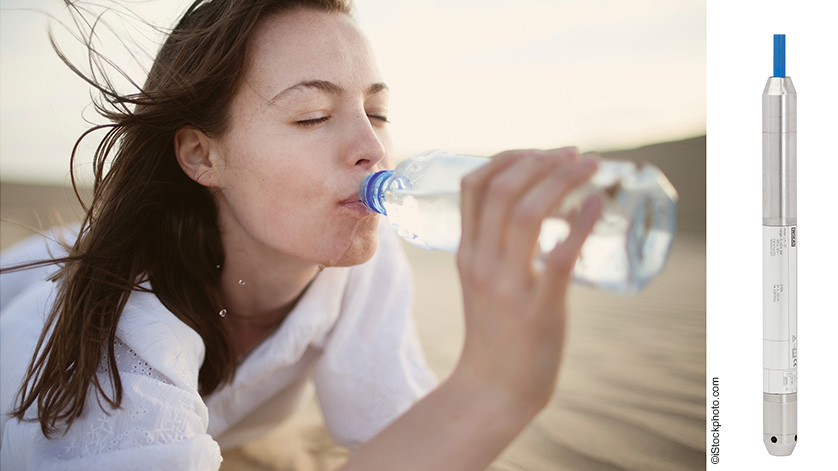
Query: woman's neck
x,y
259,295
257,289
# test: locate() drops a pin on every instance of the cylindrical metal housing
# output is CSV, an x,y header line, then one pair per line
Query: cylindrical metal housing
x,y
779,423
779,219
779,153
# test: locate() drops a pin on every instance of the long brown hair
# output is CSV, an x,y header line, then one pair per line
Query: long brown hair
x,y
148,222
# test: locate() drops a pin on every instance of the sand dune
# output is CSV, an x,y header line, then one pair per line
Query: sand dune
x,y
632,387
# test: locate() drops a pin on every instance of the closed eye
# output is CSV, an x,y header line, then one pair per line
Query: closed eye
x,y
313,122
381,118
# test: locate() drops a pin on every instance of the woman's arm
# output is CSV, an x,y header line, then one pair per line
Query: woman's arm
x,y
459,426
162,421
515,319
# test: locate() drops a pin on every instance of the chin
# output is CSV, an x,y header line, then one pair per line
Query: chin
x,y
362,245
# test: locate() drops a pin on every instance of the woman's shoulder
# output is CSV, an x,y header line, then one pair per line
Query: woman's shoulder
x,y
146,327
162,340
158,359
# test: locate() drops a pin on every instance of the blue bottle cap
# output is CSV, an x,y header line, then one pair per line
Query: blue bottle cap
x,y
371,190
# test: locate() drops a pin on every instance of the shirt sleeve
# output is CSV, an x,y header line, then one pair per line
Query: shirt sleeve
x,y
160,424
373,368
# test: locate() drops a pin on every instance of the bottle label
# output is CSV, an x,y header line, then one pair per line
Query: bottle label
x,y
779,309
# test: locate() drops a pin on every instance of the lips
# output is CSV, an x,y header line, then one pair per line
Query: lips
x,y
355,198
354,205
353,195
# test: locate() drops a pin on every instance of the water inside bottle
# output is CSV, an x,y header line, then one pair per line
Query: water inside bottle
x,y
436,216
627,248
621,254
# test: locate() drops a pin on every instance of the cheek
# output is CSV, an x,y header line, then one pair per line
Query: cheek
x,y
289,209
267,189
278,204
389,161
266,193
268,170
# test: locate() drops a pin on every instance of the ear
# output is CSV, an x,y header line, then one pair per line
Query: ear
x,y
194,151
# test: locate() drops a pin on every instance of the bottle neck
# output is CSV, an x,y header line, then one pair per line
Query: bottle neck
x,y
373,188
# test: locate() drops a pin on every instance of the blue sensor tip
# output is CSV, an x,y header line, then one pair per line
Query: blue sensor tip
x,y
779,55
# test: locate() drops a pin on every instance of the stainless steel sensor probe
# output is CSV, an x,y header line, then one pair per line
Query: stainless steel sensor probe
x,y
779,257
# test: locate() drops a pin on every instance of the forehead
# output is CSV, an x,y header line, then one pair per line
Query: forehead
x,y
305,44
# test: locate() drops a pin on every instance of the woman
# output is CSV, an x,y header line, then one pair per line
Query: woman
x,y
226,259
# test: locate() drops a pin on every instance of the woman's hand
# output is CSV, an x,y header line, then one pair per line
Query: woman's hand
x,y
515,316
515,319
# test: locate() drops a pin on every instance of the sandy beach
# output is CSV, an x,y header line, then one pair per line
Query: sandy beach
x,y
631,394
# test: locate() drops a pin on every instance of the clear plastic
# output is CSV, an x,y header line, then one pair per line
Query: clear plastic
x,y
627,249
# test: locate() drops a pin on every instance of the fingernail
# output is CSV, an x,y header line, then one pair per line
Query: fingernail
x,y
587,164
565,152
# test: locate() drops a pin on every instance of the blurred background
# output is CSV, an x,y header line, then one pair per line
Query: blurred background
x,y
470,76
623,78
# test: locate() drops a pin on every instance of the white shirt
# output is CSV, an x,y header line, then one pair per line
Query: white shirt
x,y
351,332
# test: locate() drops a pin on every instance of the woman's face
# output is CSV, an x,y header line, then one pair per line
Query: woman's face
x,y
307,123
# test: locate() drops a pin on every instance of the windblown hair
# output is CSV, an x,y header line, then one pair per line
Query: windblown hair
x,y
149,226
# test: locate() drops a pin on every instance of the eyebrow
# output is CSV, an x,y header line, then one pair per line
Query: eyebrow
x,y
328,87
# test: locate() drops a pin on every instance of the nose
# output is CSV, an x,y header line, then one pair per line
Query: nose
x,y
364,147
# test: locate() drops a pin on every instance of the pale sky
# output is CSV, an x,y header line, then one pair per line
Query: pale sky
x,y
471,76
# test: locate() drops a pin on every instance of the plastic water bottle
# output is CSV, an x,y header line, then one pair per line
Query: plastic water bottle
x,y
627,248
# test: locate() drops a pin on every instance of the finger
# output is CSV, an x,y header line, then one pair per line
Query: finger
x,y
564,154
473,187
499,204
538,204
591,156
502,196
559,262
